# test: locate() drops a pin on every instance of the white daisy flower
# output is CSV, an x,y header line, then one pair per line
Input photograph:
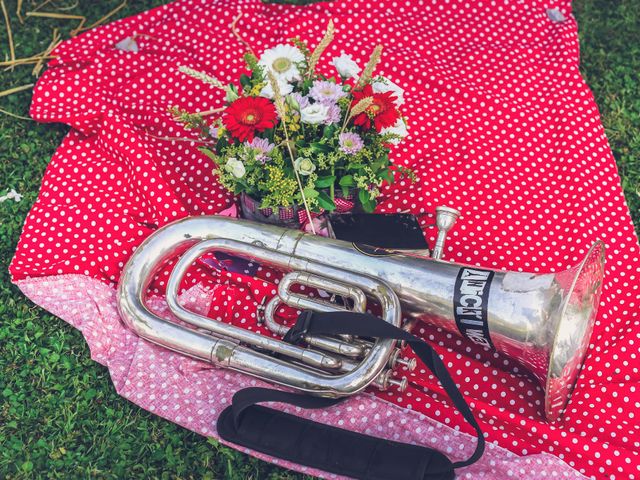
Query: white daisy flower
x,y
282,60
383,84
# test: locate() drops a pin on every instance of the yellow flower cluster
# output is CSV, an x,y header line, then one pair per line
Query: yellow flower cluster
x,y
255,91
292,120
281,188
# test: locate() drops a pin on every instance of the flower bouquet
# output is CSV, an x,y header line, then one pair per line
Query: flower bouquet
x,y
296,142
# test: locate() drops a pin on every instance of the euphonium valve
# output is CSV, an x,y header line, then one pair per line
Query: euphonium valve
x,y
544,321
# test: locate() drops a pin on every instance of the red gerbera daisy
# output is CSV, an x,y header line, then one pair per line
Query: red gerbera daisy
x,y
382,112
248,115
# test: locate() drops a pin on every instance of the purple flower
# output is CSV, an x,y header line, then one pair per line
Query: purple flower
x,y
216,131
324,91
334,114
302,101
262,146
350,143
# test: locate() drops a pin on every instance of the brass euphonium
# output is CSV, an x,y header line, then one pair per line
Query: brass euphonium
x,y
542,320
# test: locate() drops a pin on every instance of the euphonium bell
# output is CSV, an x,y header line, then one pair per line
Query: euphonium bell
x,y
542,320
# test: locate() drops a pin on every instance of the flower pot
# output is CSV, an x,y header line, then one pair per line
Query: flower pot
x,y
346,203
288,217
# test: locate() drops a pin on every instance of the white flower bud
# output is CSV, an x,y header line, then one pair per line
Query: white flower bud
x,y
346,67
304,166
314,114
235,167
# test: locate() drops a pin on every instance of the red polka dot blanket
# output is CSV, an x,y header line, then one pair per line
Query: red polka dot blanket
x,y
502,127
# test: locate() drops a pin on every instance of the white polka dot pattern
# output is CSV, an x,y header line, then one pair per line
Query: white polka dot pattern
x,y
502,127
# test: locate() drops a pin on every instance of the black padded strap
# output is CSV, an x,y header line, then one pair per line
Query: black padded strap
x,y
332,449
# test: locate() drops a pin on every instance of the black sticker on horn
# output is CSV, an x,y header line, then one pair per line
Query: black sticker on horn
x,y
470,299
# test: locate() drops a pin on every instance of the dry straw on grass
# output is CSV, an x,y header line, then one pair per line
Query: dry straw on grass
x,y
38,60
55,41
12,51
14,115
13,90
43,4
104,18
25,61
61,16
19,11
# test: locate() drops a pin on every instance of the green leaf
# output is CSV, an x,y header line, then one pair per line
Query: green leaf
x,y
320,147
369,207
325,202
268,134
310,192
378,165
346,181
306,85
355,166
363,196
323,182
208,153
245,81
91,393
387,175
231,93
367,204
330,131
241,185
221,145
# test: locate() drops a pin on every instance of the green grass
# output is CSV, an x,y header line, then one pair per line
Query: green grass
x,y
60,416
610,64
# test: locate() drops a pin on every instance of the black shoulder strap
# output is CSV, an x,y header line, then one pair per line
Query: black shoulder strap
x,y
332,449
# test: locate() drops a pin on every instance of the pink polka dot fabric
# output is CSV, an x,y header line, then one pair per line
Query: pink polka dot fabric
x,y
502,128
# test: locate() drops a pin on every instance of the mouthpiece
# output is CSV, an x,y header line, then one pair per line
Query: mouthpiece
x,y
445,219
